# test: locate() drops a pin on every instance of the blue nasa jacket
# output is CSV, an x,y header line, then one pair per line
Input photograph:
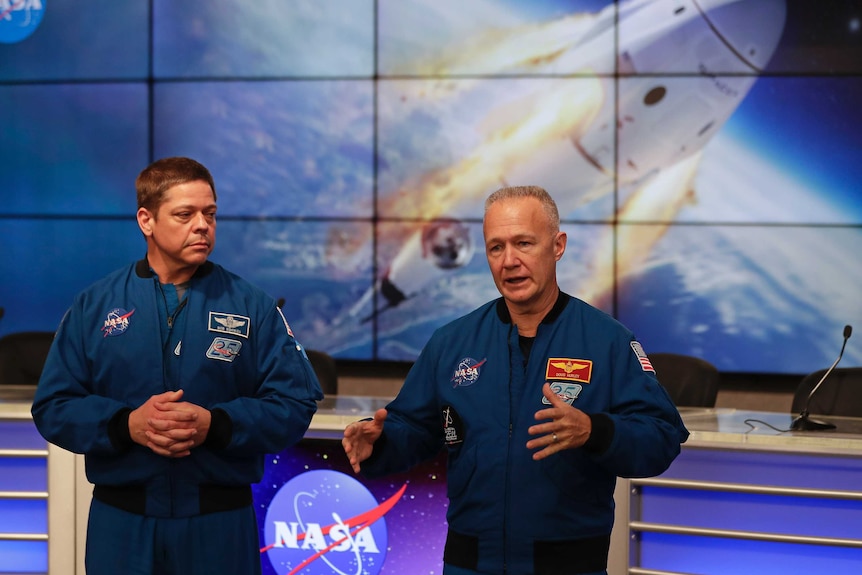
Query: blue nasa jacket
x,y
229,348
472,392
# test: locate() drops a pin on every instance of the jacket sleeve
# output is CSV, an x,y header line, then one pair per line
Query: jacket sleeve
x,y
646,430
65,409
412,431
279,413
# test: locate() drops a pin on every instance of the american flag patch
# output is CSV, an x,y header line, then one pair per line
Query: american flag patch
x,y
286,325
642,357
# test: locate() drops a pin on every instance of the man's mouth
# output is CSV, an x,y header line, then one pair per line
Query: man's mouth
x,y
515,281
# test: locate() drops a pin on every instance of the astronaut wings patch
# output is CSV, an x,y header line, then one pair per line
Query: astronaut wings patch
x,y
229,323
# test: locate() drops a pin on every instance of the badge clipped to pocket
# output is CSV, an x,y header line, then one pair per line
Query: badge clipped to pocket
x,y
453,427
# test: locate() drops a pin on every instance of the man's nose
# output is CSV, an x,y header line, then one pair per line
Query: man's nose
x,y
510,257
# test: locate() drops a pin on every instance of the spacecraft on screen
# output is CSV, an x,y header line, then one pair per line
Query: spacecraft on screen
x,y
681,69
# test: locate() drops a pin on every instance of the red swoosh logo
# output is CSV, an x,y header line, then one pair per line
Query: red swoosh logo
x,y
362,521
13,6
122,317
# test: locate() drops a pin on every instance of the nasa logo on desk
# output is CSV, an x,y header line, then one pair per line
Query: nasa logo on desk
x,y
326,522
19,19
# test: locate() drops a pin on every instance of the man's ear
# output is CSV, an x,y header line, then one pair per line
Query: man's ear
x,y
145,221
560,245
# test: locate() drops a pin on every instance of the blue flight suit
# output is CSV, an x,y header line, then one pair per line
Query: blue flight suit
x,y
474,392
226,344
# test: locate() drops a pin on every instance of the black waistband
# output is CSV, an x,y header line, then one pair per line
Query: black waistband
x,y
213,498
566,557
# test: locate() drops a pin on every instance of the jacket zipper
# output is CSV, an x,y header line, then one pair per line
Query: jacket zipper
x,y
508,455
165,354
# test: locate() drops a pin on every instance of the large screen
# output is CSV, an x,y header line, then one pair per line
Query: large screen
x,y
704,155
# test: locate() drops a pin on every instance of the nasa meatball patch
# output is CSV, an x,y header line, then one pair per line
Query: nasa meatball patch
x,y
117,322
467,372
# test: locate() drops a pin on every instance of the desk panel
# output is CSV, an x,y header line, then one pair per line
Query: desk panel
x,y
671,554
746,495
19,557
23,493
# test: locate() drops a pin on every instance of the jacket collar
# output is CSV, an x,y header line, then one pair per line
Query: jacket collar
x,y
143,269
551,317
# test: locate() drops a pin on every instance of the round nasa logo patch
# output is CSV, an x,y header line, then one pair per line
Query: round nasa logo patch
x,y
467,372
325,522
117,322
19,19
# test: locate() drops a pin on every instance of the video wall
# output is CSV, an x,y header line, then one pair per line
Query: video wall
x,y
704,155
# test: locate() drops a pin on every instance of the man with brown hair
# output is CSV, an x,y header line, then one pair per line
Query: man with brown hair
x,y
174,377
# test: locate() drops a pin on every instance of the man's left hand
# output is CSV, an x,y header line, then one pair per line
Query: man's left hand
x,y
565,427
177,428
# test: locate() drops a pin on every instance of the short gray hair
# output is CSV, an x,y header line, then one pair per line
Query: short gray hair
x,y
548,203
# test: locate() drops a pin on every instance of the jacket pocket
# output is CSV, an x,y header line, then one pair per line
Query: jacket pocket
x,y
565,472
461,468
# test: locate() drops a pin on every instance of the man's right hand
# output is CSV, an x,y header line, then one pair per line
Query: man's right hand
x,y
160,425
359,438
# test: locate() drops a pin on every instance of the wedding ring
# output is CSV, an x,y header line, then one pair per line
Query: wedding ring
x,y
554,436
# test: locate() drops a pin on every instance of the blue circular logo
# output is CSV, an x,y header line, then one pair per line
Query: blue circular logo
x,y
19,19
117,321
326,522
467,372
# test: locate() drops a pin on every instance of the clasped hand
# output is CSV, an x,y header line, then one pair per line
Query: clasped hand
x,y
168,426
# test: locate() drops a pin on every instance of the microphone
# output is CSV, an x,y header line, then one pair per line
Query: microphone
x,y
280,302
803,422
